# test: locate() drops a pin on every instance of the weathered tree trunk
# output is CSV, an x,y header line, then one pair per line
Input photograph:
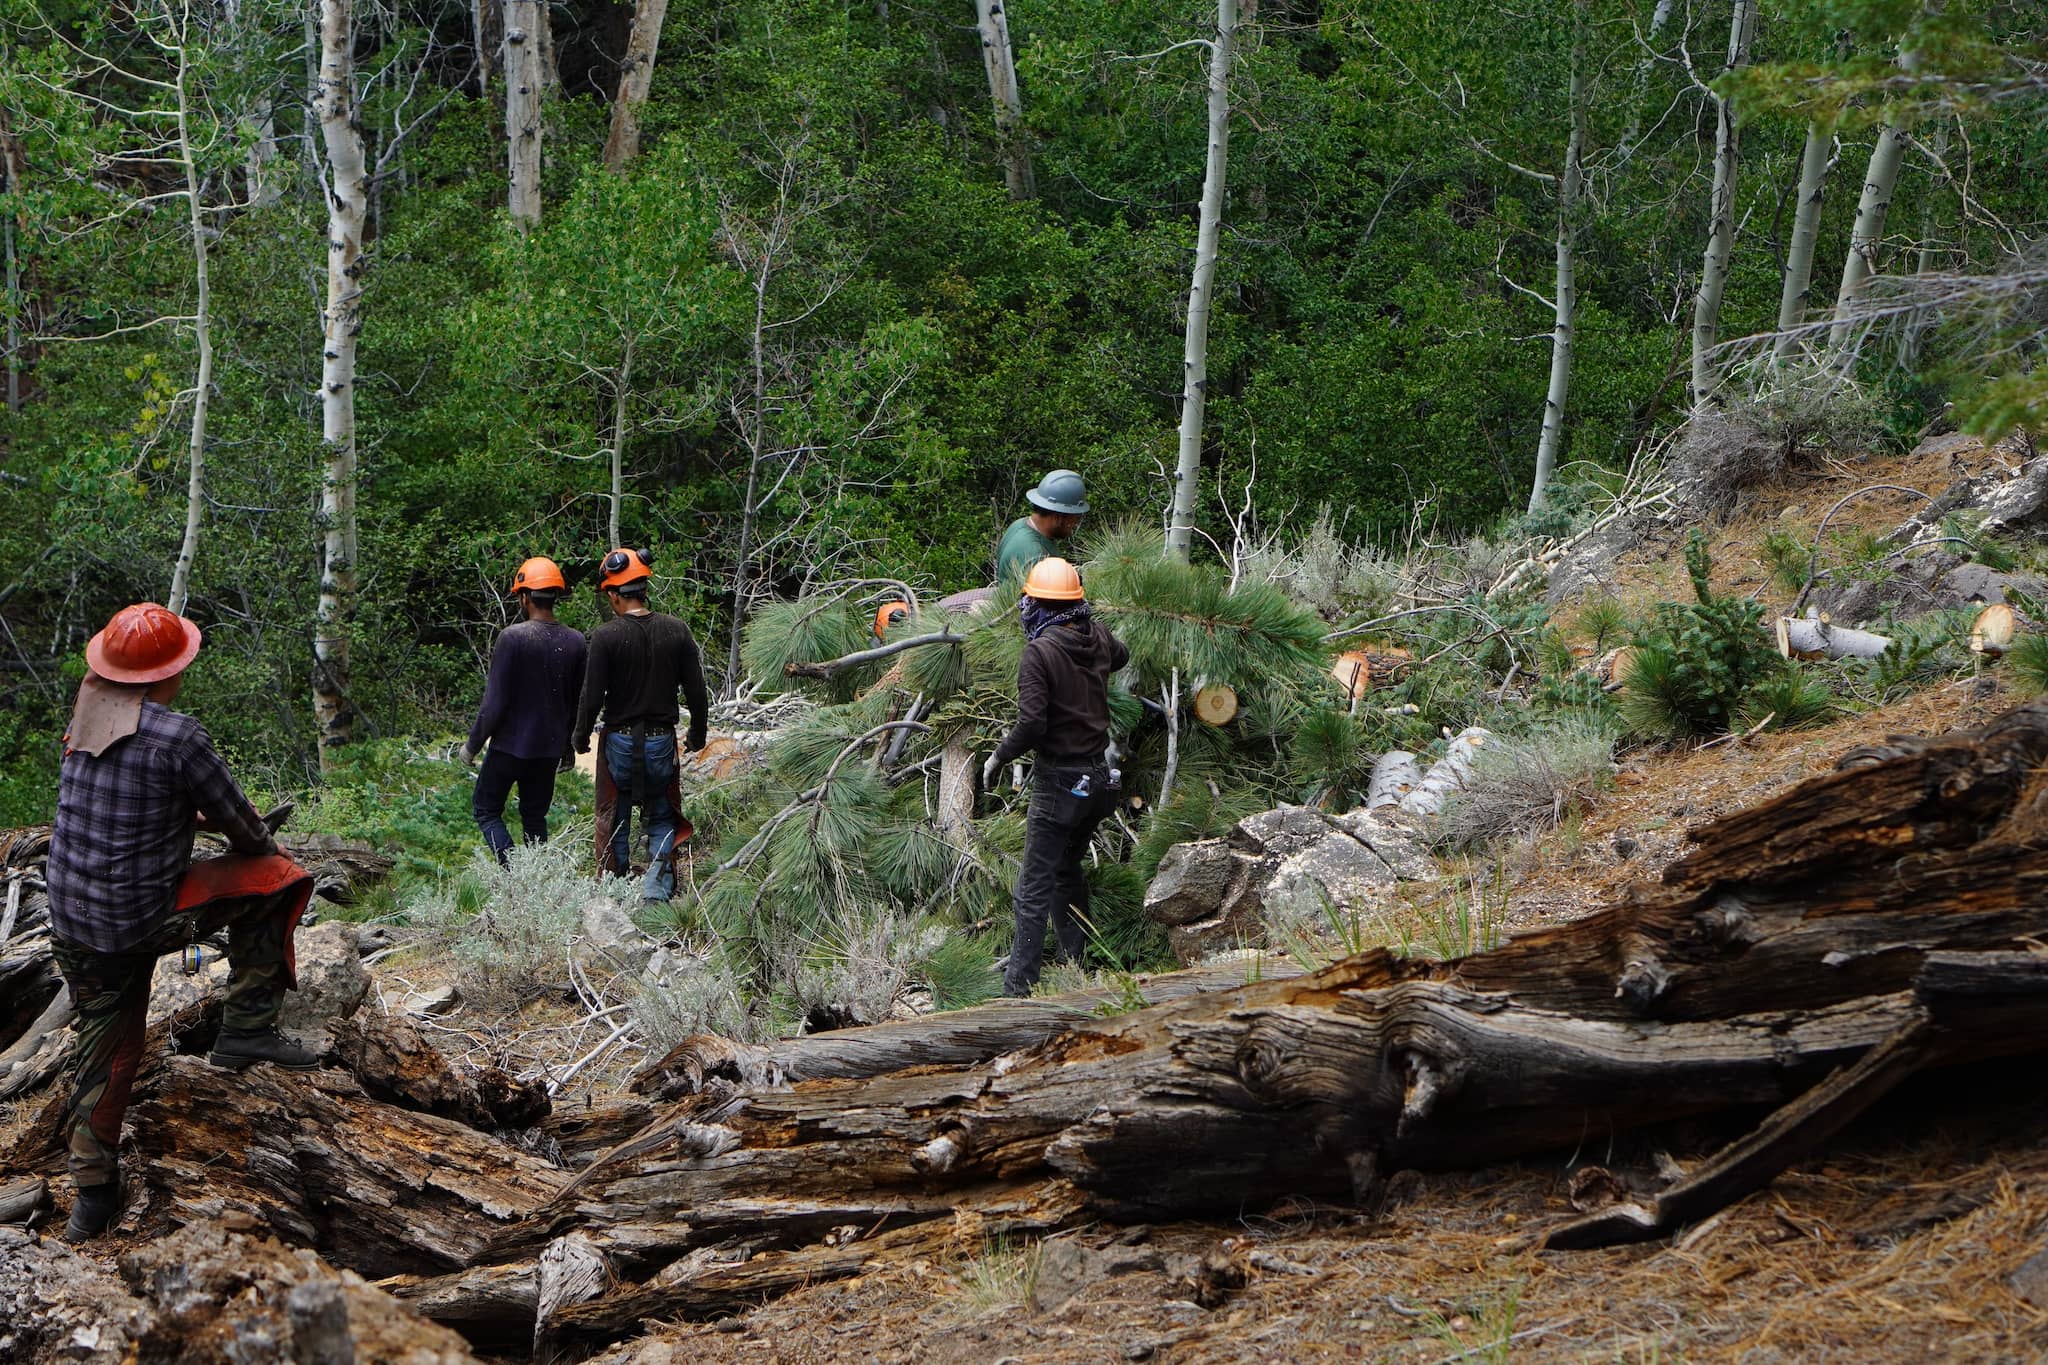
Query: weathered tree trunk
x,y
341,322
1929,254
1706,312
1880,182
485,24
202,332
1814,162
1799,936
1647,63
1187,474
756,436
622,393
636,75
999,59
13,282
955,816
523,104
1805,637
1565,300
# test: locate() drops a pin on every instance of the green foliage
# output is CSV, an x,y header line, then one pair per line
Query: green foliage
x,y
1788,558
2027,661
1921,652
1793,697
1329,759
1692,667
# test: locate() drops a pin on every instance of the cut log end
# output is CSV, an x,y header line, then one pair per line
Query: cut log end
x,y
1216,704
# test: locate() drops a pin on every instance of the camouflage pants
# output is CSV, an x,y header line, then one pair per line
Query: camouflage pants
x,y
111,993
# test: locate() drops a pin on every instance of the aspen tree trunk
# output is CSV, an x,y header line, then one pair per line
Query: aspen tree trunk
x,y
1000,61
340,323
1880,182
550,64
1798,284
1659,17
480,16
262,154
621,392
757,450
1706,309
1928,256
1195,358
202,330
12,181
623,143
1565,297
523,109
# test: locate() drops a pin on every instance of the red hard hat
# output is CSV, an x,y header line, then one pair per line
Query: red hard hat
x,y
538,573
145,643
624,566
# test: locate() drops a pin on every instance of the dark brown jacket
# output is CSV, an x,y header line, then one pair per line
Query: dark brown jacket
x,y
1063,695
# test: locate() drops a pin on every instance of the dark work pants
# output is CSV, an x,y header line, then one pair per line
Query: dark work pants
x,y
1052,884
111,993
500,772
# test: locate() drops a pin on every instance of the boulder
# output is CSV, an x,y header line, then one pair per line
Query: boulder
x,y
612,943
1217,895
333,983
171,989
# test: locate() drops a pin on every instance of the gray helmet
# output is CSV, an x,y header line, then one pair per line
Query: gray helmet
x,y
1059,491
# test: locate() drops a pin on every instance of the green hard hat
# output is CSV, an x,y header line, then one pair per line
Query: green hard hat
x,y
1059,491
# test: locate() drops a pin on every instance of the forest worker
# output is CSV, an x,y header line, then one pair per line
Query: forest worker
x,y
124,891
529,704
1058,504
1063,714
638,661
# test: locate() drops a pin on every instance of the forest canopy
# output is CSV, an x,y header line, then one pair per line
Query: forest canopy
x,y
353,306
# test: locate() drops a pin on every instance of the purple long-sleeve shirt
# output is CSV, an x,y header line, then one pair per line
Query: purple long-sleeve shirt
x,y
530,697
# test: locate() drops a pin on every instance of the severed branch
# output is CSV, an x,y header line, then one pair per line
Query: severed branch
x,y
867,656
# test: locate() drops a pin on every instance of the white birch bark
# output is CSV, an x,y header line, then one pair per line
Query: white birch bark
x,y
1659,17
340,324
202,330
1798,282
261,130
1195,356
999,59
1706,310
622,389
523,80
1880,182
1564,300
622,144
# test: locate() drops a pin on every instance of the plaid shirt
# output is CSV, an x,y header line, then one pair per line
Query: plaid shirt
x,y
124,829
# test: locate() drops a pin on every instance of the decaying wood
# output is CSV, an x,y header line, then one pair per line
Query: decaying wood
x,y
953,1038
392,1061
23,1199
1794,941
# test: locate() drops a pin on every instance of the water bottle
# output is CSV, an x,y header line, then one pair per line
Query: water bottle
x,y
1084,786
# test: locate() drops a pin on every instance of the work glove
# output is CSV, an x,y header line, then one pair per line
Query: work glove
x,y
568,762
583,744
989,772
467,754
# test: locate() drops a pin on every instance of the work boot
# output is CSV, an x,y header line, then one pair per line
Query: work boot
x,y
93,1211
235,1050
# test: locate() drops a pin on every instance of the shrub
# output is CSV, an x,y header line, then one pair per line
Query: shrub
x,y
2027,661
1794,696
1531,783
1691,669
509,927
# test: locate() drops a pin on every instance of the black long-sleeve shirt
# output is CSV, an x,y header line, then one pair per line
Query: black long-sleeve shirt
x,y
637,665
530,695
1063,695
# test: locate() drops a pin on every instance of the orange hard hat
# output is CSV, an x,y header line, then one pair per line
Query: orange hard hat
x,y
887,615
623,566
1052,579
538,573
145,643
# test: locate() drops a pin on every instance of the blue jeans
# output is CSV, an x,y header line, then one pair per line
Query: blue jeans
x,y
657,756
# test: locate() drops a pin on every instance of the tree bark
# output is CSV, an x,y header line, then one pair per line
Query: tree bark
x,y
202,331
523,81
1659,17
1565,299
1706,312
1806,638
622,389
757,443
1880,182
341,322
484,19
1814,162
1195,355
999,60
13,280
1928,255
636,75
1801,934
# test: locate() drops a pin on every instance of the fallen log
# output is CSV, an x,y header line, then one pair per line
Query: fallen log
x,y
951,1038
1804,637
1794,941
392,1061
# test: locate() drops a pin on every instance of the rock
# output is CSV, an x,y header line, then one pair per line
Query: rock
x,y
1219,895
171,990
612,943
1066,1267
2030,1281
333,983
440,1000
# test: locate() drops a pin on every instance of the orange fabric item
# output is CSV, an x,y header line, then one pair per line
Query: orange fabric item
x,y
887,615
632,567
538,573
145,643
1054,580
240,876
